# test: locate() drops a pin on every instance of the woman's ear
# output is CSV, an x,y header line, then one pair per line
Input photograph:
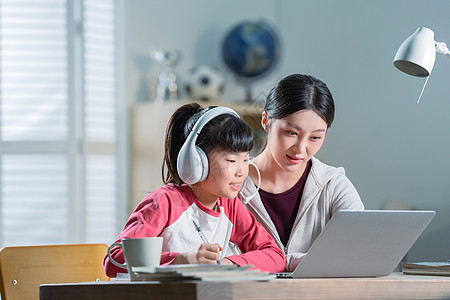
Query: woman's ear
x,y
264,121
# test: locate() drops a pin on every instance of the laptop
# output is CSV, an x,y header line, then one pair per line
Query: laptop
x,y
367,243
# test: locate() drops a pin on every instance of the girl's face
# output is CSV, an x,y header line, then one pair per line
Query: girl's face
x,y
227,171
292,141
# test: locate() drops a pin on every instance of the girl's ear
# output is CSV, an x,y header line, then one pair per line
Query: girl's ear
x,y
265,121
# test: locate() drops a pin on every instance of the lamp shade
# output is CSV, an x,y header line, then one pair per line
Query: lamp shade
x,y
417,53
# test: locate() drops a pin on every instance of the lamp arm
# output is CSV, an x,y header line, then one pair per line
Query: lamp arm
x,y
441,47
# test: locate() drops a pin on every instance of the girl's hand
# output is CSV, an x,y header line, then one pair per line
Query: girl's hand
x,y
208,254
226,262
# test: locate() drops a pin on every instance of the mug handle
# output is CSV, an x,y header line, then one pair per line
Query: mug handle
x,y
123,266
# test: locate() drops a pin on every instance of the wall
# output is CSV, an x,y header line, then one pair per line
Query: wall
x,y
196,28
392,148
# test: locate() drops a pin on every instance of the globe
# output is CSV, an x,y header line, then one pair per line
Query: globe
x,y
250,49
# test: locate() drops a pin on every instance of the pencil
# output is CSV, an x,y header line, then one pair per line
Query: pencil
x,y
202,236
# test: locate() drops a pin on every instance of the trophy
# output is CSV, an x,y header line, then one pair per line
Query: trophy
x,y
168,87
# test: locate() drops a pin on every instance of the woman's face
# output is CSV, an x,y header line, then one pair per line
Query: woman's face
x,y
292,141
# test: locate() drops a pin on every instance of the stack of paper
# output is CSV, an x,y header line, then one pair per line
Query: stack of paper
x,y
199,272
427,268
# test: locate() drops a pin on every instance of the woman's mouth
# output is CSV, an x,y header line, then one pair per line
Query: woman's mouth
x,y
294,160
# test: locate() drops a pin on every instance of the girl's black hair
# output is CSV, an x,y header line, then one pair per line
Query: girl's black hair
x,y
225,132
297,92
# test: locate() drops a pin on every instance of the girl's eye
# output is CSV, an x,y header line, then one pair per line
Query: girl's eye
x,y
316,138
291,132
231,160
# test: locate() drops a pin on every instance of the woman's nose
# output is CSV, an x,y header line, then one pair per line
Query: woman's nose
x,y
301,145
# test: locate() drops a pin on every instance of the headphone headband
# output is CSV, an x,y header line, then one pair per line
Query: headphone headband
x,y
208,116
192,162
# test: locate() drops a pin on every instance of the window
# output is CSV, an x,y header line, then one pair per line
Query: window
x,y
59,179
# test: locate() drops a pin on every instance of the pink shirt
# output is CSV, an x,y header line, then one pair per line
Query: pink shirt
x,y
168,212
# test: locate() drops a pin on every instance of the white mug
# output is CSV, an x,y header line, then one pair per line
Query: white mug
x,y
138,252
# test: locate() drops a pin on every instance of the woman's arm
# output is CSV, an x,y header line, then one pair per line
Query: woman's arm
x,y
345,195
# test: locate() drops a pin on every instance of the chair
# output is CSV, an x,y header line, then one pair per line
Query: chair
x,y
23,269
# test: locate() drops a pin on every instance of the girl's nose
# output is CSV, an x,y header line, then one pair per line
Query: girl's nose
x,y
242,169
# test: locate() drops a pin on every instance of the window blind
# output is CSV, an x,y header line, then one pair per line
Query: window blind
x,y
99,68
100,123
56,186
33,70
34,191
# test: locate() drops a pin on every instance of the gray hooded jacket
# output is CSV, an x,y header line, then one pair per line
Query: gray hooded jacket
x,y
326,191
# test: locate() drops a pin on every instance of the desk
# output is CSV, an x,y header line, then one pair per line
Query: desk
x,y
395,286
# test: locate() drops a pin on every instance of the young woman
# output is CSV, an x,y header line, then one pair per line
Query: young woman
x,y
298,193
206,155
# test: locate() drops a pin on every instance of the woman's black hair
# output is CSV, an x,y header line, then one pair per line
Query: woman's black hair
x,y
297,92
225,132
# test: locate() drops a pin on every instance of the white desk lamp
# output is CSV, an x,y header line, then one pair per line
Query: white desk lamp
x,y
417,54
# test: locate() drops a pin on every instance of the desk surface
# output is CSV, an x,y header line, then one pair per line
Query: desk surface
x,y
395,286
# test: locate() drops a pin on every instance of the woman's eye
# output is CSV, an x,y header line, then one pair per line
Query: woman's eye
x,y
291,132
316,138
231,160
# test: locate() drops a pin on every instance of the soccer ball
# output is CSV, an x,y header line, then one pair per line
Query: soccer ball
x,y
204,83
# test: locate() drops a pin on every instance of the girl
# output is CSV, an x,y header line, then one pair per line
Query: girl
x,y
298,193
205,170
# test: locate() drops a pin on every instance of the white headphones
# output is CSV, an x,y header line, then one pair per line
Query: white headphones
x,y
192,162
248,198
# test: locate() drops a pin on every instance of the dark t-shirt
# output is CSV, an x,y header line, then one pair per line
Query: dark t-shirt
x,y
283,207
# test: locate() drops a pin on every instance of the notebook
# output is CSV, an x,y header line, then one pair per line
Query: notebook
x,y
367,243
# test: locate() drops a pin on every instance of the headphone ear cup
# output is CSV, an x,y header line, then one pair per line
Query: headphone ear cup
x,y
188,164
204,164
192,165
192,162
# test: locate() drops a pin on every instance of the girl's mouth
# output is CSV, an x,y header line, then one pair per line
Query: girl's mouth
x,y
235,186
